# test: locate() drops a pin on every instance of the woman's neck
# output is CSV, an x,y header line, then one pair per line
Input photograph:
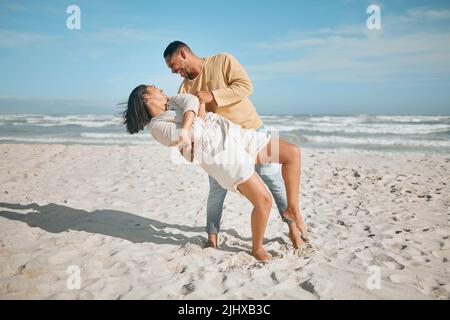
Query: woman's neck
x,y
156,110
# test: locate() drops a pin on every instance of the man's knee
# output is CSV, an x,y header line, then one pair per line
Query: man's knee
x,y
215,189
268,172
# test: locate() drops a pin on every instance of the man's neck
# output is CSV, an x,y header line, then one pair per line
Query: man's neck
x,y
197,67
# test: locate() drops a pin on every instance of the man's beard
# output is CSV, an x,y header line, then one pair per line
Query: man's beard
x,y
186,74
189,75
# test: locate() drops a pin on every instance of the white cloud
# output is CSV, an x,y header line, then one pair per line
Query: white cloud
x,y
353,53
128,34
11,6
10,97
11,38
429,14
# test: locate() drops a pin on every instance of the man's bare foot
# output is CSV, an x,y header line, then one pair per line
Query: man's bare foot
x,y
212,240
290,214
295,236
262,255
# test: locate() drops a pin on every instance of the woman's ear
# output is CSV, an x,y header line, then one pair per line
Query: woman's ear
x,y
146,100
145,96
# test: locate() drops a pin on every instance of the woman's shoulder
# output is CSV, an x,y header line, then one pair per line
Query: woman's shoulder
x,y
183,99
168,116
183,96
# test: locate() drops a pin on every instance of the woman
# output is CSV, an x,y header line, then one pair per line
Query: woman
x,y
224,150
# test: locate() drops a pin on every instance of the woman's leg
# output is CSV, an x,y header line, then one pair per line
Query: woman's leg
x,y
289,156
255,191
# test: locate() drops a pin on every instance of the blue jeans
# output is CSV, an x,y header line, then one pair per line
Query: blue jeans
x,y
270,175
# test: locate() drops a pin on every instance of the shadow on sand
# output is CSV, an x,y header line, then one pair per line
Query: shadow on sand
x,y
119,224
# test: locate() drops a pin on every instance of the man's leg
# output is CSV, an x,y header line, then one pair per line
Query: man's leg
x,y
214,208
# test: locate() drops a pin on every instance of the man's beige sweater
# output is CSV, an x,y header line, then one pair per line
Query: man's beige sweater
x,y
230,85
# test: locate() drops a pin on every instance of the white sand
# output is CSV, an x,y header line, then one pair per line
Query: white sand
x,y
134,225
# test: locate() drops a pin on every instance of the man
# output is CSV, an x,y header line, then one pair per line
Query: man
x,y
222,84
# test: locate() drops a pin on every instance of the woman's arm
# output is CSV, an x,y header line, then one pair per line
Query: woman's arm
x,y
190,106
184,137
188,119
202,111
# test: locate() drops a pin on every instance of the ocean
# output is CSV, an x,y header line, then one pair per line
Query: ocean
x,y
362,132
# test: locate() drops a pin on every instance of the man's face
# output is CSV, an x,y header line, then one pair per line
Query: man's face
x,y
178,65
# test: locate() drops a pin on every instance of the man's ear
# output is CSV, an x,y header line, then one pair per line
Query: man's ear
x,y
182,53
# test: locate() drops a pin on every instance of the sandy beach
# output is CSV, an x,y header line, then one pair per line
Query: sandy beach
x,y
131,223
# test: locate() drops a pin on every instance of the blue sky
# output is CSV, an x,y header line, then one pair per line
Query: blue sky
x,y
304,57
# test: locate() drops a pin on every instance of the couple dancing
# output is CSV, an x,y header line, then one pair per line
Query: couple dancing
x,y
212,121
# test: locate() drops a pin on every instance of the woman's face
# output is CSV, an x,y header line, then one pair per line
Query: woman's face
x,y
155,96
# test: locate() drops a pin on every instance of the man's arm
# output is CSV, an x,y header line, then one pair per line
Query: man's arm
x,y
240,85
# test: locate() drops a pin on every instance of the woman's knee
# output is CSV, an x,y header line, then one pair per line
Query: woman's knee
x,y
294,152
265,201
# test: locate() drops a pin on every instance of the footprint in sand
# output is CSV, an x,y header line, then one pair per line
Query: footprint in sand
x,y
387,261
176,267
239,261
401,279
193,249
308,286
188,288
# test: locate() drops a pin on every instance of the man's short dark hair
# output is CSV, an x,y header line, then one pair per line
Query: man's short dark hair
x,y
174,47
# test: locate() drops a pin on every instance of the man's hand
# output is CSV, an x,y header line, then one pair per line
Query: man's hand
x,y
205,97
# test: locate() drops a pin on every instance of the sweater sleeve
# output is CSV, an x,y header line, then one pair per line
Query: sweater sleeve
x,y
187,102
239,84
164,132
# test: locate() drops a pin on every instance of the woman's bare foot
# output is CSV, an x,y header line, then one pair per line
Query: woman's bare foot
x,y
212,240
295,236
261,255
291,215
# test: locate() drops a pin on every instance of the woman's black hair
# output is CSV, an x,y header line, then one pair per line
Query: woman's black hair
x,y
136,116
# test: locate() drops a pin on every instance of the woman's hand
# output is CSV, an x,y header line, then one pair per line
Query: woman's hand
x,y
184,142
184,138
205,97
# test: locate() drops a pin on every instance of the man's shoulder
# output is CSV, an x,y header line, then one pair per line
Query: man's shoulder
x,y
221,56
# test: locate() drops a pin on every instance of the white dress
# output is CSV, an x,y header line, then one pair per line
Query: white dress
x,y
222,148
